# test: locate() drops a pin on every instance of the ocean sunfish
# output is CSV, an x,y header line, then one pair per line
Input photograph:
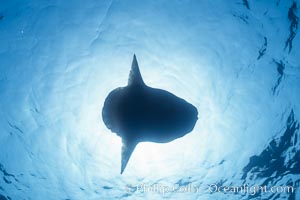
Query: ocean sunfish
x,y
139,113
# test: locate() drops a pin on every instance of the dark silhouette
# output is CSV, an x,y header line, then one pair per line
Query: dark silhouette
x,y
138,113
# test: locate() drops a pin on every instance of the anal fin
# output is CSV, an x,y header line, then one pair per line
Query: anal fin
x,y
127,149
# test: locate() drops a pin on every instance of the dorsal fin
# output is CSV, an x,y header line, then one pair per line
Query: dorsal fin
x,y
135,77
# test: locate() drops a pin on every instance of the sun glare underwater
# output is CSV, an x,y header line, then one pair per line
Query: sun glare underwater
x,y
236,61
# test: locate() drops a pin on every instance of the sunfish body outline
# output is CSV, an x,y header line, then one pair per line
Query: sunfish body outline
x,y
139,113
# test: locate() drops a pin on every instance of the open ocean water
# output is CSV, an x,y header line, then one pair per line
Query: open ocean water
x,y
237,61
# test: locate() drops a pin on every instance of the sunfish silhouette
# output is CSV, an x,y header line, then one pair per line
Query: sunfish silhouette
x,y
139,113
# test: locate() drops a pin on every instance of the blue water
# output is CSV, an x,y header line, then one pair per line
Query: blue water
x,y
237,61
